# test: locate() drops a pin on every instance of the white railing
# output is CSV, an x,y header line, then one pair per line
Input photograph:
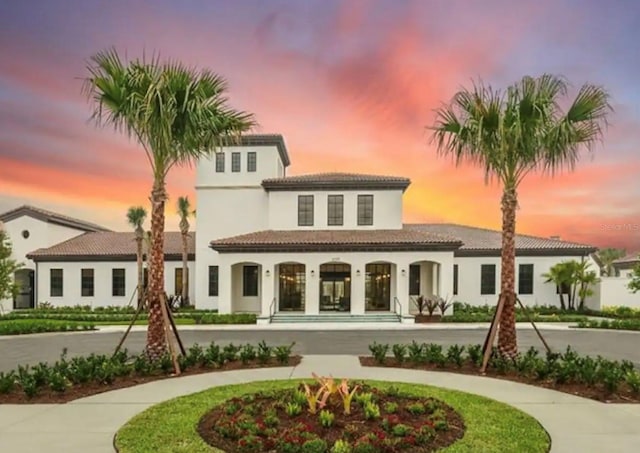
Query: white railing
x,y
272,309
397,307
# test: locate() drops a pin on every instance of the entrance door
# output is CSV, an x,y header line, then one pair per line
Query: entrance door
x,y
335,287
25,278
378,287
291,287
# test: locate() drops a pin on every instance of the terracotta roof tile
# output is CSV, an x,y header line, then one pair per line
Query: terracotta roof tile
x,y
105,246
49,216
336,181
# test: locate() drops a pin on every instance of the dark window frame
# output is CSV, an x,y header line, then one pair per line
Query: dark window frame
x,y
525,279
456,270
252,161
220,162
236,162
87,282
118,290
214,279
365,210
56,282
250,280
414,279
487,279
335,210
305,210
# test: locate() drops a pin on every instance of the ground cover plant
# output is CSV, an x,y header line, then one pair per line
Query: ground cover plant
x,y
539,313
173,426
596,378
613,324
187,317
331,415
27,326
71,378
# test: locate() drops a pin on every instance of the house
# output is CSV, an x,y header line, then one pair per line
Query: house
x,y
31,228
307,244
614,290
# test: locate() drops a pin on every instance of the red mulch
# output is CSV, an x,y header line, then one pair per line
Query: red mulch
x,y
47,396
597,393
357,424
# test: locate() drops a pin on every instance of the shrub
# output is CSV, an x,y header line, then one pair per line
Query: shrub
x,y
416,408
399,352
371,411
7,382
326,418
314,446
454,355
27,326
433,354
283,353
474,352
293,409
212,354
379,352
401,430
390,407
632,378
416,352
58,382
230,352
341,446
247,353
264,352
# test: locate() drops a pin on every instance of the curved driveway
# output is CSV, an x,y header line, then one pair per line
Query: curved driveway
x,y
32,349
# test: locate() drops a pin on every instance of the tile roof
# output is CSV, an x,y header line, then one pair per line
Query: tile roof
x,y
276,140
109,246
51,217
629,259
482,241
334,240
336,181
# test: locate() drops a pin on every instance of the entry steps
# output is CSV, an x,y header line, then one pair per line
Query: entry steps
x,y
288,317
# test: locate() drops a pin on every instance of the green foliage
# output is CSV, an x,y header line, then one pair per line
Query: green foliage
x,y
454,355
614,324
326,418
371,410
250,444
293,409
283,353
8,267
399,352
606,257
314,446
401,430
247,353
379,352
416,352
7,382
390,407
634,284
264,352
416,408
341,446
28,326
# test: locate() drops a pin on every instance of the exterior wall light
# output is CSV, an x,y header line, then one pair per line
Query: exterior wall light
x,y
358,272
313,272
404,272
267,272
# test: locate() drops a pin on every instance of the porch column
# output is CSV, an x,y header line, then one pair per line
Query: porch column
x,y
312,289
358,270
402,287
435,275
267,293
225,302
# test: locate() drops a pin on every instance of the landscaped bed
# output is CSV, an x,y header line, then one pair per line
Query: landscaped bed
x,y
611,324
99,317
27,326
596,378
72,378
277,416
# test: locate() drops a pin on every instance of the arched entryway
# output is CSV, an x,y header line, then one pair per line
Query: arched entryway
x,y
377,289
25,279
335,287
424,280
291,286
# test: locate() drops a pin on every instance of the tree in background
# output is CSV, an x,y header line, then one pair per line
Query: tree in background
x,y
8,267
185,211
634,284
136,216
606,257
574,278
178,115
511,134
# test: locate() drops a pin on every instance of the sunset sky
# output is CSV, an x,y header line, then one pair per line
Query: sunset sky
x,y
351,85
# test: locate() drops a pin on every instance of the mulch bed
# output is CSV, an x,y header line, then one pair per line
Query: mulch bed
x,y
353,427
48,396
597,393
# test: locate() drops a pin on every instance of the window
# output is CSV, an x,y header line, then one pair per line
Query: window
x,y
55,282
365,209
488,279
525,279
117,282
252,159
219,162
335,204
455,279
414,280
250,281
177,281
305,210
235,162
213,280
86,282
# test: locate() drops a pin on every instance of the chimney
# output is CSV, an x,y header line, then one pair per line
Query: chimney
x,y
555,238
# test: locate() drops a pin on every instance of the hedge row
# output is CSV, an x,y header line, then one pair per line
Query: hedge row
x,y
25,326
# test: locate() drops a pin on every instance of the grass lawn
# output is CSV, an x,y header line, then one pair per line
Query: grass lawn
x,y
491,426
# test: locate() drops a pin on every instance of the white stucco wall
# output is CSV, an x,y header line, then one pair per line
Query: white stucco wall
x,y
387,210
543,293
614,291
41,235
102,275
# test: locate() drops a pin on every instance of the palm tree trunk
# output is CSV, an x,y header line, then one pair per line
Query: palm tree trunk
x,y
507,342
562,306
185,270
156,341
139,239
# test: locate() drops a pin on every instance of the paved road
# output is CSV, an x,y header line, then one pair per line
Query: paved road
x,y
47,347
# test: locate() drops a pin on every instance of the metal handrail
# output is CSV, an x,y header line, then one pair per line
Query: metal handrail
x,y
272,309
397,306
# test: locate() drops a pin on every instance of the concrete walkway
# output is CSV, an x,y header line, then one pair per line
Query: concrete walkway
x,y
88,425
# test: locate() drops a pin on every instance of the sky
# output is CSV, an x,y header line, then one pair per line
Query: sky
x,y
351,85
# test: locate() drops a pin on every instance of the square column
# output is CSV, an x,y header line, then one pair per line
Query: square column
x,y
267,293
312,290
435,275
224,289
357,288
402,288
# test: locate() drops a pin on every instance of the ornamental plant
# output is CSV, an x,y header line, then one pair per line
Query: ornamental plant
x,y
326,418
341,446
317,399
347,395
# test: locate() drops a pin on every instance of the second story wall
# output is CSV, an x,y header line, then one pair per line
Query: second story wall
x,y
284,210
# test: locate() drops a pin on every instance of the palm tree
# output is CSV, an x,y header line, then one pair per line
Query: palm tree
x,y
606,257
511,134
177,114
560,275
184,211
136,216
586,278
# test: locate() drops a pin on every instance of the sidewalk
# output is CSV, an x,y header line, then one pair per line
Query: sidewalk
x,y
88,425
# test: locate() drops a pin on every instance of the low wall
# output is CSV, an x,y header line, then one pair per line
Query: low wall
x,y
614,291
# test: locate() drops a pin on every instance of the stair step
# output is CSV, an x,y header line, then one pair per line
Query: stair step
x,y
334,318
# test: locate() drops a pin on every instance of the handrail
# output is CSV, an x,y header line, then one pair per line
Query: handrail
x,y
272,309
397,307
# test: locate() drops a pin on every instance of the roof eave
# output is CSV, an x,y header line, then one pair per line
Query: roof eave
x,y
274,186
346,247
526,252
